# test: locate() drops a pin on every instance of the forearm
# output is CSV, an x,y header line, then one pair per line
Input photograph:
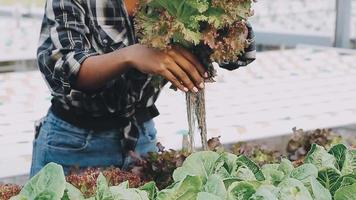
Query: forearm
x,y
96,71
177,66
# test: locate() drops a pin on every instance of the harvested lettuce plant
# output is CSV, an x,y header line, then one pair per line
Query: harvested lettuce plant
x,y
213,30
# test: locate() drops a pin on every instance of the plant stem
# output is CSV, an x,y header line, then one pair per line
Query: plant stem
x,y
190,101
196,111
201,117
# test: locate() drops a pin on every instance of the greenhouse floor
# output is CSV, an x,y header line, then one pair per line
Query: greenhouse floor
x,y
307,88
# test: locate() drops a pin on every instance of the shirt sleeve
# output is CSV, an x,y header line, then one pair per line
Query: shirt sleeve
x,y
248,56
64,44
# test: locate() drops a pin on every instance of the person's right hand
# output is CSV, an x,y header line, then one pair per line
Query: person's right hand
x,y
177,65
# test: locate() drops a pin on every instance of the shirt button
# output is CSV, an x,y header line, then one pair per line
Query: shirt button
x,y
105,41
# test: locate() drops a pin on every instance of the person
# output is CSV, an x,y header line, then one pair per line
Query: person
x,y
100,78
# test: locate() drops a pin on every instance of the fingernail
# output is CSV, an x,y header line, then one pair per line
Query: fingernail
x,y
195,89
206,75
185,89
201,85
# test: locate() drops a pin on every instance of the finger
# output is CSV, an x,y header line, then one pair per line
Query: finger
x,y
188,67
171,78
182,76
193,59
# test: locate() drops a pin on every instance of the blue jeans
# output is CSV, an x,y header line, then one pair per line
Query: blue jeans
x,y
70,146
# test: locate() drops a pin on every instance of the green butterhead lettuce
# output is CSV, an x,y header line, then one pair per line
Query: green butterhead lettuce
x,y
346,193
328,177
293,189
220,176
49,183
349,166
241,191
103,190
339,152
151,189
318,191
206,196
187,189
286,166
304,172
256,170
266,192
343,181
273,174
200,164
215,185
319,157
72,192
244,173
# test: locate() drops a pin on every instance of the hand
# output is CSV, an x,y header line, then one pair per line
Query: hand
x,y
177,65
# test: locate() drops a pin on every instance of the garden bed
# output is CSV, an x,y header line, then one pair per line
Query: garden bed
x,y
169,174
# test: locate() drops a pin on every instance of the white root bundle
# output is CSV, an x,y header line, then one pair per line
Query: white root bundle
x,y
196,113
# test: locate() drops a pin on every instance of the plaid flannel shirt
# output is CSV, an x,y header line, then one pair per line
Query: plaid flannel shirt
x,y
73,30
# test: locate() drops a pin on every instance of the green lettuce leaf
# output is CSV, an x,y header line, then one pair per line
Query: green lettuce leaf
x,y
123,192
348,180
186,34
103,191
208,196
241,191
200,164
304,172
72,193
200,5
343,181
286,166
318,191
226,165
244,161
151,189
293,189
183,9
215,186
243,173
229,181
187,189
266,192
328,177
120,192
349,166
213,16
273,174
128,194
346,193
339,152
319,157
49,183
228,162
223,173
241,9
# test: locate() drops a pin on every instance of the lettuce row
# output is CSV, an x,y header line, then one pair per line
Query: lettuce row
x,y
222,176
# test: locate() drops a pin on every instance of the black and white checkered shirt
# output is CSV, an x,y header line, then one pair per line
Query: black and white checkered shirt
x,y
74,30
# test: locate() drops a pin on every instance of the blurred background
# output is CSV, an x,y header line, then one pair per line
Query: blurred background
x,y
304,77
